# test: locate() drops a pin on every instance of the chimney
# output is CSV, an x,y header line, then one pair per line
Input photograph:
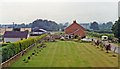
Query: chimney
x,y
74,21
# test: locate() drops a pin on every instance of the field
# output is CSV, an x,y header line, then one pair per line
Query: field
x,y
69,54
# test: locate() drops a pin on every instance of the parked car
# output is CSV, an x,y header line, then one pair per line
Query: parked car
x,y
105,38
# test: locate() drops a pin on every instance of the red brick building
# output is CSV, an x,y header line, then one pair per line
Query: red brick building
x,y
75,29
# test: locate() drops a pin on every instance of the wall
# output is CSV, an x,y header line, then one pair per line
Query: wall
x,y
28,36
82,33
12,39
37,32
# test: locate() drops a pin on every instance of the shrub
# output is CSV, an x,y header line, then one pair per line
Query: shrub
x,y
83,37
75,40
4,53
78,38
85,41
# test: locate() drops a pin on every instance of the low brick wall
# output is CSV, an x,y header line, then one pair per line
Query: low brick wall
x,y
16,57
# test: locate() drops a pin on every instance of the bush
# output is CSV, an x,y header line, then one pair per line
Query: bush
x,y
75,40
83,37
85,41
78,38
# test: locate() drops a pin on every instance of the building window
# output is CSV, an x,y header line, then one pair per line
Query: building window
x,y
79,34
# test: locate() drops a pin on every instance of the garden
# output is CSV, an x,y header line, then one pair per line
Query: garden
x,y
55,51
67,54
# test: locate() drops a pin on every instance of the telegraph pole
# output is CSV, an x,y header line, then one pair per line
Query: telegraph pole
x,y
13,25
5,28
24,27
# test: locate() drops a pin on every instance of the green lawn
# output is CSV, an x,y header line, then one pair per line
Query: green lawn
x,y
69,54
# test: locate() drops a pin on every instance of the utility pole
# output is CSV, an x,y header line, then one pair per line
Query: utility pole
x,y
24,27
5,28
86,26
13,25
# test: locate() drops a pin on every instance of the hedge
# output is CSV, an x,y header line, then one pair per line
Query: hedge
x,y
3,44
99,35
83,41
14,48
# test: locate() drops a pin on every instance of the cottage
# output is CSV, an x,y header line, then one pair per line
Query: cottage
x,y
13,36
75,30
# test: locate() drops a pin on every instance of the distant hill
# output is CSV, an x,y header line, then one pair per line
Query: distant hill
x,y
45,24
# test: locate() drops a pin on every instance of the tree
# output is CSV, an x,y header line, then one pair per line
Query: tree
x,y
23,25
16,29
103,26
116,29
35,28
61,26
66,24
94,26
45,24
109,25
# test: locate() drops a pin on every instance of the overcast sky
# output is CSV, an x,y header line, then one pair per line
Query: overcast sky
x,y
60,11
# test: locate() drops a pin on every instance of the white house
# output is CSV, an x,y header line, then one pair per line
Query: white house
x,y
13,36
39,31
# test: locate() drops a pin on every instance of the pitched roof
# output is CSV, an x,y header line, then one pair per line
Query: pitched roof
x,y
16,34
76,31
40,30
73,27
73,24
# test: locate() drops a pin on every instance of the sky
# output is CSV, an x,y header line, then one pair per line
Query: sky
x,y
60,11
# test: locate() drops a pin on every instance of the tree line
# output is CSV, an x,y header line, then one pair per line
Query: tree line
x,y
41,24
103,27
106,27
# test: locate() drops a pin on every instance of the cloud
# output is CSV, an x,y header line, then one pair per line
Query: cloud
x,y
60,12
